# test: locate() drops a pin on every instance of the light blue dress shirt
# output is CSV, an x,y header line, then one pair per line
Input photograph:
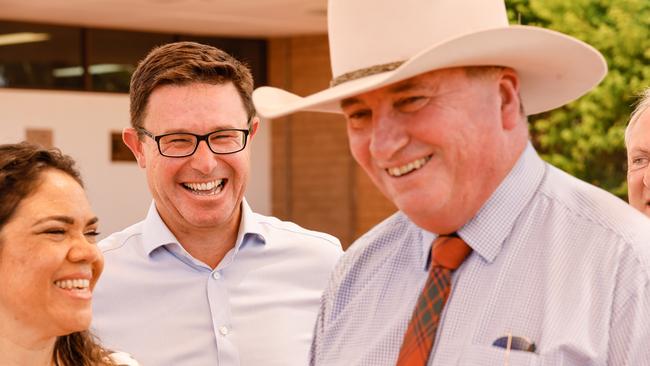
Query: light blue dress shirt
x,y
554,259
258,307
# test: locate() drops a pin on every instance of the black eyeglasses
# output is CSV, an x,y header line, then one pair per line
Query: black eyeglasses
x,y
180,145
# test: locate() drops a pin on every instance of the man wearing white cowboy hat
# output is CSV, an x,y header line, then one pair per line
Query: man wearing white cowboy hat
x,y
494,257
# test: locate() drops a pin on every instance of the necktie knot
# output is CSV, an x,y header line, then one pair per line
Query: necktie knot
x,y
449,251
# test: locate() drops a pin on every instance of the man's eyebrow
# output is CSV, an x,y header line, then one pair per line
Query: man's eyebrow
x,y
224,126
397,88
349,101
404,86
637,150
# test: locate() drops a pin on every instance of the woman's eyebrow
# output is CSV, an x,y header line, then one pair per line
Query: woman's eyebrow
x,y
64,219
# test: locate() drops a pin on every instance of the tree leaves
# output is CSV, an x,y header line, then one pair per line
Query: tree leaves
x,y
585,137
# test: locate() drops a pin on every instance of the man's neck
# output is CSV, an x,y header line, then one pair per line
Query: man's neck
x,y
210,247
208,244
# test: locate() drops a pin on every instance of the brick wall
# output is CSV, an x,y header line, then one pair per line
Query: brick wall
x,y
316,182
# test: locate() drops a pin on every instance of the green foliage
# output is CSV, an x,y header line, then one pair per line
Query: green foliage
x,y
585,137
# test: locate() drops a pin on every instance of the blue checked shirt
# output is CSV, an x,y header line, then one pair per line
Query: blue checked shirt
x,y
554,260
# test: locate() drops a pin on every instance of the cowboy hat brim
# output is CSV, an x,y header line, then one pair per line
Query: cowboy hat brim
x,y
553,68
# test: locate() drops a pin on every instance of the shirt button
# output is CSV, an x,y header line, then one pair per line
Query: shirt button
x,y
223,330
216,275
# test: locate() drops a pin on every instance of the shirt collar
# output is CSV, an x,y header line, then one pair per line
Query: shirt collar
x,y
250,228
156,234
488,229
427,239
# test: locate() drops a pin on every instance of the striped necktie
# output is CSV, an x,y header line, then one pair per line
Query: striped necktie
x,y
447,254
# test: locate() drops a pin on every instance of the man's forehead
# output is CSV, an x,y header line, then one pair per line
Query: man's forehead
x,y
421,81
640,132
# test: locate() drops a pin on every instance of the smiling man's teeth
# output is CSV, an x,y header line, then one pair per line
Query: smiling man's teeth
x,y
207,187
73,284
398,171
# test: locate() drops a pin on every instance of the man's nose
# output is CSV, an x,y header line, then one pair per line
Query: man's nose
x,y
203,159
646,176
388,137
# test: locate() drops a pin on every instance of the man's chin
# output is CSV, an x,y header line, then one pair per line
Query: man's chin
x,y
417,211
204,222
646,210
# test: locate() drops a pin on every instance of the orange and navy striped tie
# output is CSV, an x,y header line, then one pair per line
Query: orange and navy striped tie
x,y
447,254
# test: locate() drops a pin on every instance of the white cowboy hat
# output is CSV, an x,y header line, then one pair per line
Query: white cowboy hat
x,y
374,43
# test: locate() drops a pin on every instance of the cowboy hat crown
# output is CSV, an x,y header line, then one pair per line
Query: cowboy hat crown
x,y
377,43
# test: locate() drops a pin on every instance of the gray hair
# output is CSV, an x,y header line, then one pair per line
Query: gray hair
x,y
641,106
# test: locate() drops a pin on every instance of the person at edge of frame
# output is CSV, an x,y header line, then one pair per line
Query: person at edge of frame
x,y
637,143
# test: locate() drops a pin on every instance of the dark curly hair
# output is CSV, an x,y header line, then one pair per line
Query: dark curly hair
x,y
21,166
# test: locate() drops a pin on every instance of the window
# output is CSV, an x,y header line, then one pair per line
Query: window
x,y
40,56
72,58
113,56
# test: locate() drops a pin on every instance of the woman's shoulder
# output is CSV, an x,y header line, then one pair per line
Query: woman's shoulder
x,y
123,359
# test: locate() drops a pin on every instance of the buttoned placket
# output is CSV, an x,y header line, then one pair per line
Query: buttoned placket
x,y
219,301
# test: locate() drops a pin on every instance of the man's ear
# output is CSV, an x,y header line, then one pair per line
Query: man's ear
x,y
132,140
510,100
255,124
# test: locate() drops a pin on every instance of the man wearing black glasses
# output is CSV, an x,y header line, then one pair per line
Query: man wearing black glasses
x,y
203,280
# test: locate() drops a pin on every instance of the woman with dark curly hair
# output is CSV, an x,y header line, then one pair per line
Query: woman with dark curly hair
x,y
49,262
